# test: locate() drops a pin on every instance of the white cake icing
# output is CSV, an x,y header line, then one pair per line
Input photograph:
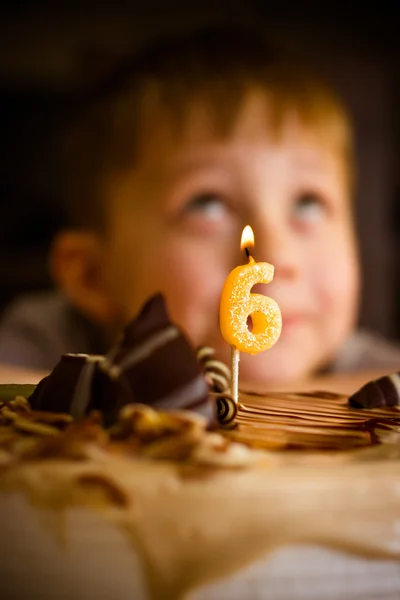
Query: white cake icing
x,y
212,510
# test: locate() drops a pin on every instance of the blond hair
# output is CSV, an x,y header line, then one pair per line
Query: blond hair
x,y
217,67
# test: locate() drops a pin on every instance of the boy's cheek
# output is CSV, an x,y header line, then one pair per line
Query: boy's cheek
x,y
191,280
193,287
338,289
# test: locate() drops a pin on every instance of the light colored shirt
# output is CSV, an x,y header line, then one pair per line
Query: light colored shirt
x,y
37,329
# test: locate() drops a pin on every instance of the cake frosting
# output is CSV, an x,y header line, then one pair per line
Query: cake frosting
x,y
197,505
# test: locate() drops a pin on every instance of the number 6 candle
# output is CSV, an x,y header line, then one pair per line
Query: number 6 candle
x,y
238,303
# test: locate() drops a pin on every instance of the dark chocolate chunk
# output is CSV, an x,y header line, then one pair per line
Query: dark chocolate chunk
x,y
56,391
152,319
383,392
155,361
152,363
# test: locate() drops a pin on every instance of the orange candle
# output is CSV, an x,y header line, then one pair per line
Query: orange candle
x,y
238,303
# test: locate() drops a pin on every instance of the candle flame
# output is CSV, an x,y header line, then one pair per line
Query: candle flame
x,y
247,238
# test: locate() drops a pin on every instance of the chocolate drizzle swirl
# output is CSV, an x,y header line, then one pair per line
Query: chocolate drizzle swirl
x,y
217,373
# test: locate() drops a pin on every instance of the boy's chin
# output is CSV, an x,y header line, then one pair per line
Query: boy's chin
x,y
273,370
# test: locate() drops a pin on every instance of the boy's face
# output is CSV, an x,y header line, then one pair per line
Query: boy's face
x,y
176,219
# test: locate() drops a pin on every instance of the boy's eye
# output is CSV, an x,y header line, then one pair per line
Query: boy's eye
x,y
210,205
309,207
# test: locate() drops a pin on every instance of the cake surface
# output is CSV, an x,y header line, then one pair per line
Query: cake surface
x,y
192,506
321,421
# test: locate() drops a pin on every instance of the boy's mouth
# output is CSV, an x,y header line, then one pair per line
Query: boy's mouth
x,y
288,321
291,320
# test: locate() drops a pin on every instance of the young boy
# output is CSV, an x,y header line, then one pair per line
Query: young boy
x,y
182,148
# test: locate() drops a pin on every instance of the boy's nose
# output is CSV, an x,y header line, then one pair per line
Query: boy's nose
x,y
279,249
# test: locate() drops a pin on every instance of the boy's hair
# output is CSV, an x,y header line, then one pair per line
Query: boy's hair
x,y
217,67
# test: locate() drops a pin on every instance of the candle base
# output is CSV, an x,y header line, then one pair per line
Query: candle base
x,y
235,357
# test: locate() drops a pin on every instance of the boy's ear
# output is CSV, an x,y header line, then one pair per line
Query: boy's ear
x,y
77,268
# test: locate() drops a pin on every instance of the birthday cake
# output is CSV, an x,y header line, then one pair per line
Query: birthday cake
x,y
106,491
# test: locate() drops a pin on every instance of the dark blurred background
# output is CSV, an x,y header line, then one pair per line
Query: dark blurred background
x,y
48,52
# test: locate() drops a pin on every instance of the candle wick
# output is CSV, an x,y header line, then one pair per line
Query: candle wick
x,y
247,252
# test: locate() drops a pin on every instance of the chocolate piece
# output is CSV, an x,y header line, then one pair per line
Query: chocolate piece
x,y
156,363
69,387
383,392
217,373
226,409
153,363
